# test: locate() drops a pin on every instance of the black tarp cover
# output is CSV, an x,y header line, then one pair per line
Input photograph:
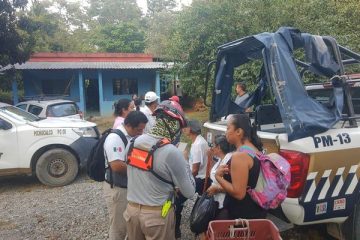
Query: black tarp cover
x,y
301,114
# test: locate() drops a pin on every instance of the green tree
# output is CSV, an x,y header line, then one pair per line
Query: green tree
x,y
158,39
158,6
122,37
114,11
12,47
47,30
197,31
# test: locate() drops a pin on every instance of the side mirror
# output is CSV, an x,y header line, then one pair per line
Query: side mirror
x,y
5,125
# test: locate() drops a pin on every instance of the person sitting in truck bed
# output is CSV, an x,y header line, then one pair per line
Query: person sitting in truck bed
x,y
242,95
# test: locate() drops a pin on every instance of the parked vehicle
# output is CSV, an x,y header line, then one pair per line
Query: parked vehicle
x,y
53,149
315,130
52,108
322,92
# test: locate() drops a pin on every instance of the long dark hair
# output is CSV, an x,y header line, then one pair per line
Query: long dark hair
x,y
243,121
137,102
225,146
121,104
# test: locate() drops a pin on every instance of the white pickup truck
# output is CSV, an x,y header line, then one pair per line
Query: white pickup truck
x,y
53,149
317,134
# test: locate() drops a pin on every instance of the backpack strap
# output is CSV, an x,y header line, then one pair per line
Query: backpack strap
x,y
121,135
160,143
125,141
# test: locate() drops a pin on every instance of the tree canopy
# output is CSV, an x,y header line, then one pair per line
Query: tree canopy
x,y
12,46
188,36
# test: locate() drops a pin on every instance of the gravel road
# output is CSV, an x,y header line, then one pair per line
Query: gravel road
x,y
30,210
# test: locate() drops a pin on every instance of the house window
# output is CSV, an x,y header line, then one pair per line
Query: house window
x,y
123,86
55,87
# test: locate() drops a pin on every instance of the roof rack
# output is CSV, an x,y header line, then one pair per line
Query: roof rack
x,y
46,97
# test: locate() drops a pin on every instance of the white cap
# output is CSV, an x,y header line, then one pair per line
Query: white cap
x,y
151,97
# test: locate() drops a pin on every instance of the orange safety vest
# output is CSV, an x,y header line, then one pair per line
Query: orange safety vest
x,y
144,159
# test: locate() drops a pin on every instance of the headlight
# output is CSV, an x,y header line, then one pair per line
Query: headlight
x,y
86,132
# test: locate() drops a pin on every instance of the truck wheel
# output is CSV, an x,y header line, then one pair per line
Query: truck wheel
x,y
57,167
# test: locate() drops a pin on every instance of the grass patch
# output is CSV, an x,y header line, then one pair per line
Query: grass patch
x,y
103,123
201,116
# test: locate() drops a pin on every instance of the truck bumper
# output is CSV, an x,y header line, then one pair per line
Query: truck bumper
x,y
83,147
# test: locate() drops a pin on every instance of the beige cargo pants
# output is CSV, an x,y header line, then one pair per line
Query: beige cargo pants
x,y
116,203
144,222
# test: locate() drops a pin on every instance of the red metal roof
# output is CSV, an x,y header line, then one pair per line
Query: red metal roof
x,y
90,57
89,65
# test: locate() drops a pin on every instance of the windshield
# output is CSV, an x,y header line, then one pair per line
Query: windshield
x,y
62,110
325,96
19,114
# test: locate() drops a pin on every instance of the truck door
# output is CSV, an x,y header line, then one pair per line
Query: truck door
x,y
8,147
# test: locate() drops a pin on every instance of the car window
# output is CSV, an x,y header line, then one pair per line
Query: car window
x,y
19,114
324,96
62,110
4,125
355,94
36,110
22,106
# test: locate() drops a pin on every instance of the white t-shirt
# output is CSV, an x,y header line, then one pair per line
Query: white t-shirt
x,y
198,154
219,197
114,147
151,119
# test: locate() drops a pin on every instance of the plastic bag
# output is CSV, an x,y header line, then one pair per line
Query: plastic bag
x,y
203,212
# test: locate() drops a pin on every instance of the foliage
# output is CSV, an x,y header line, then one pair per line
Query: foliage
x,y
188,37
158,6
198,30
114,11
158,39
122,37
12,46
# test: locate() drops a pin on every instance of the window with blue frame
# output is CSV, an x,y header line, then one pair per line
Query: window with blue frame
x,y
124,86
55,87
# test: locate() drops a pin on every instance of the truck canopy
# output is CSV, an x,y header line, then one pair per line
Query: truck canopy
x,y
302,115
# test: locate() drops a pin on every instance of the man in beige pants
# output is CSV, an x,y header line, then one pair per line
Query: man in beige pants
x,y
148,191
115,185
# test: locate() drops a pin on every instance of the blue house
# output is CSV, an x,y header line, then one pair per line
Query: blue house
x,y
93,80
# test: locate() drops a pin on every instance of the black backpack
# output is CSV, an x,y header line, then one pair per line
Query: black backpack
x,y
96,162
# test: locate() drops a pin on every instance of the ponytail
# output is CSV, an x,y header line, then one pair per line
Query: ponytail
x,y
254,138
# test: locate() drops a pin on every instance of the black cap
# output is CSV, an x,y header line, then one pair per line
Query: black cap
x,y
195,126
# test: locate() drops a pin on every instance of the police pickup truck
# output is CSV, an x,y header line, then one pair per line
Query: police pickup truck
x,y
318,135
53,149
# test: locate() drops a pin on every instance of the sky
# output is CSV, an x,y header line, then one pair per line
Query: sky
x,y
142,3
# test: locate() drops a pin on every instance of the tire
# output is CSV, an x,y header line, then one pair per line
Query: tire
x,y
57,167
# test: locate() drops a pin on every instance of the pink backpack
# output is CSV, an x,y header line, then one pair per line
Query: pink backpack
x,y
274,179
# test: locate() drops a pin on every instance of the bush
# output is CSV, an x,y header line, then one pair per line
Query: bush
x,y
6,96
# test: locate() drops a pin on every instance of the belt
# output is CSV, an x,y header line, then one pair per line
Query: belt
x,y
137,205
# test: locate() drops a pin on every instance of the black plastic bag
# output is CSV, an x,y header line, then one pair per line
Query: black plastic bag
x,y
203,212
